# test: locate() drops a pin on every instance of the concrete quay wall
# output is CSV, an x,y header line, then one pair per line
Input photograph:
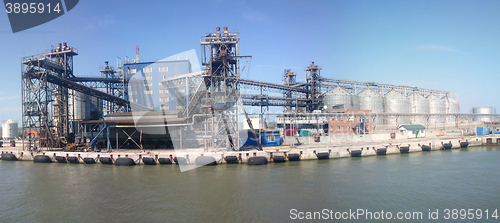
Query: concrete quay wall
x,y
307,152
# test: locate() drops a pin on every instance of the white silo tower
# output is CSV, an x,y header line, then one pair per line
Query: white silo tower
x,y
483,110
436,106
9,129
398,104
452,107
373,101
418,105
340,98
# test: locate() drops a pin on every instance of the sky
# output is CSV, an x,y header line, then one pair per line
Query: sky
x,y
440,45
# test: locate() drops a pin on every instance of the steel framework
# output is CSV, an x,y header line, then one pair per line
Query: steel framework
x,y
356,87
221,60
48,83
289,79
46,114
116,88
314,86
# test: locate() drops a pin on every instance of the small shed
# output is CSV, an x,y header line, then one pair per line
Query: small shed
x,y
269,137
413,131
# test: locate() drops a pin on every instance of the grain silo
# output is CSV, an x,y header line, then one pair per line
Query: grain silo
x,y
436,106
373,101
9,129
398,104
85,107
77,101
452,107
340,98
418,105
483,110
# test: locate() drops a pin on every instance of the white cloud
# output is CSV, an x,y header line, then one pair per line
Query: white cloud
x,y
438,48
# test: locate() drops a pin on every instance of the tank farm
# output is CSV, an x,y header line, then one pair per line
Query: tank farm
x,y
163,112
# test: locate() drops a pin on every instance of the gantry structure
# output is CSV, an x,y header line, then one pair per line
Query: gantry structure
x,y
221,61
111,82
48,88
356,87
45,103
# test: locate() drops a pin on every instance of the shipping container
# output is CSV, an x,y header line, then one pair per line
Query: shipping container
x,y
292,131
305,133
483,131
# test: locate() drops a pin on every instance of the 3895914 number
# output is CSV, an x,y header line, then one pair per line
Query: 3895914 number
x,y
31,8
470,214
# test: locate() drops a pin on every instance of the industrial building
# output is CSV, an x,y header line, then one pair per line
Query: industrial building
x,y
347,123
145,83
166,104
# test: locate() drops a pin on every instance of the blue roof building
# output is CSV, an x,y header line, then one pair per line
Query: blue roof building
x,y
268,137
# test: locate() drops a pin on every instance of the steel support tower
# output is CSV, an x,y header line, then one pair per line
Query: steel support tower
x,y
46,114
289,79
220,57
116,88
314,86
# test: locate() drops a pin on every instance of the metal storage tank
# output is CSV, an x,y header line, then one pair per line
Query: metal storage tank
x,y
9,129
371,100
85,107
452,107
436,106
80,110
483,110
418,105
396,103
340,98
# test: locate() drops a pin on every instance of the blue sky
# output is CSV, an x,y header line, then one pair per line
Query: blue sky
x,y
442,45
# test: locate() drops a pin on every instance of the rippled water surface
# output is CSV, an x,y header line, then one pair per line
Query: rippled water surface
x,y
413,182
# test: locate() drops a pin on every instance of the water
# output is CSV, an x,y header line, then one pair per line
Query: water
x,y
416,182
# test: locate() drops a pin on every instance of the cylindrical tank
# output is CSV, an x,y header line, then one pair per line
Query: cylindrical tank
x,y
452,107
373,101
436,106
418,105
85,107
483,110
396,103
77,101
9,129
340,98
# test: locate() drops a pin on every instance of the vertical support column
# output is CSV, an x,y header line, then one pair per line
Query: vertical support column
x,y
117,146
140,140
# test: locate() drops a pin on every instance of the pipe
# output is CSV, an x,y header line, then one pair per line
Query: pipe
x,y
186,124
